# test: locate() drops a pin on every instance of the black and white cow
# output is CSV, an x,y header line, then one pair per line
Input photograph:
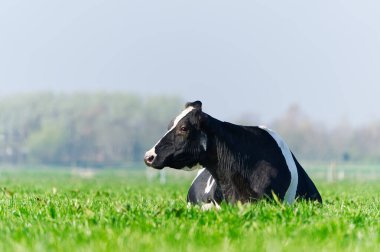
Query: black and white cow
x,y
243,163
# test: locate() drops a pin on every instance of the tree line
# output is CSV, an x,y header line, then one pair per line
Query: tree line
x,y
115,129
89,130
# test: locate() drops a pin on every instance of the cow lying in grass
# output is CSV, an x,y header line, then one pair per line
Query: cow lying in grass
x,y
243,163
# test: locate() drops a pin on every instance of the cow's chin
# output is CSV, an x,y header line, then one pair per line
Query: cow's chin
x,y
184,166
158,167
175,164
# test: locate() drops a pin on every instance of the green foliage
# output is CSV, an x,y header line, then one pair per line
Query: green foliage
x,y
82,129
114,129
47,144
312,141
121,211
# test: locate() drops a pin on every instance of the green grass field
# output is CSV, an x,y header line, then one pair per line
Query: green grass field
x,y
49,210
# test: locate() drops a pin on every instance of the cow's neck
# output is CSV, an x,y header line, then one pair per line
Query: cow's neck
x,y
222,162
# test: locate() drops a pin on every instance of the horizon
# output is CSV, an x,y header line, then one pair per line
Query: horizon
x,y
245,117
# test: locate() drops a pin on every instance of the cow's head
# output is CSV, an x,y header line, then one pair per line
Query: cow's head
x,y
184,143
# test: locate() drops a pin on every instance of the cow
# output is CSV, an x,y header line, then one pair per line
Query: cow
x,y
242,163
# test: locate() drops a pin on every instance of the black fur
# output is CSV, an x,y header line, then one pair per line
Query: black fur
x,y
245,161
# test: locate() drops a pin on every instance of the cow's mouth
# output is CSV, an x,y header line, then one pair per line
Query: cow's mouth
x,y
148,159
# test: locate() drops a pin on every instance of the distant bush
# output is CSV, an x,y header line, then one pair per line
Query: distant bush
x,y
82,129
115,129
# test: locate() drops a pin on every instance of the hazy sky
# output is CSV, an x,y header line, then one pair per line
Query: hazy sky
x,y
235,56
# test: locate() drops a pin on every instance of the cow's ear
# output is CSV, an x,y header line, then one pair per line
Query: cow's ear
x,y
196,104
203,120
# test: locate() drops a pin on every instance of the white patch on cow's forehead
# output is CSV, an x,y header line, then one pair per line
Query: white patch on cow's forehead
x,y
180,116
176,121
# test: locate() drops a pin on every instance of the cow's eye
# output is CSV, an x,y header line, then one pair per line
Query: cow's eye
x,y
184,128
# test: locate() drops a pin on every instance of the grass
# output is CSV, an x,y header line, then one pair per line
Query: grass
x,y
50,210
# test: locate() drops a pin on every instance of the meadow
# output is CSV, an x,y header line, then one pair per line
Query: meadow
x,y
122,210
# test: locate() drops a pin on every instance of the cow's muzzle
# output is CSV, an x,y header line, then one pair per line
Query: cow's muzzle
x,y
149,157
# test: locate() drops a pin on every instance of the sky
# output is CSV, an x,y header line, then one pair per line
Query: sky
x,y
238,57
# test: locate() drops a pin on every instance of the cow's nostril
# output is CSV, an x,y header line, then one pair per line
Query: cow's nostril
x,y
149,159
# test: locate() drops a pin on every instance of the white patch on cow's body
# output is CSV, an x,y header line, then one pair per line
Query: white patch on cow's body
x,y
216,205
209,206
209,184
292,189
152,152
203,140
198,174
